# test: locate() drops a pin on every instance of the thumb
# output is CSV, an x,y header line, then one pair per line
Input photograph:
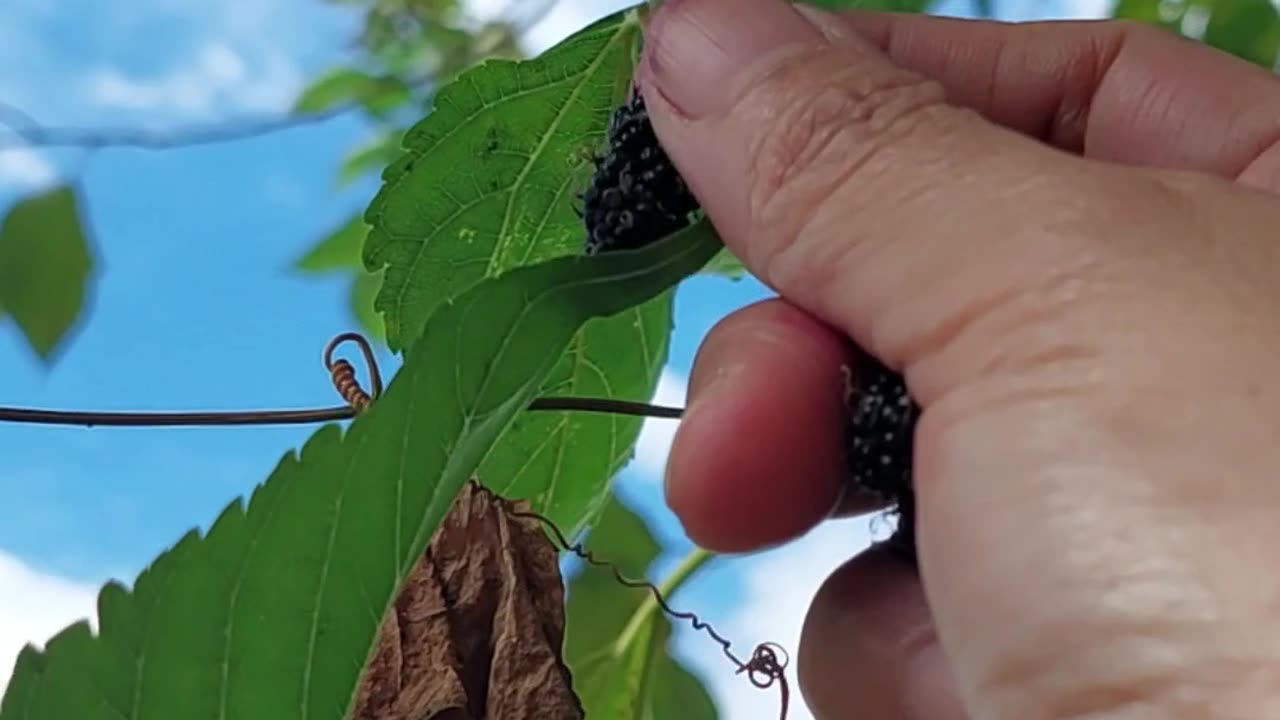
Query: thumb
x,y
843,181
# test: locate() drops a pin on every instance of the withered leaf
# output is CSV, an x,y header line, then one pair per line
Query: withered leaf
x,y
477,630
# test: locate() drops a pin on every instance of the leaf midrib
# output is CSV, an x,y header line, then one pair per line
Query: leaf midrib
x,y
503,236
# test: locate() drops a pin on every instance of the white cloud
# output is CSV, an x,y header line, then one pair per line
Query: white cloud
x,y
22,168
656,435
215,76
778,586
35,606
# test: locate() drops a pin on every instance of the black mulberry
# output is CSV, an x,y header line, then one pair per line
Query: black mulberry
x,y
636,196
879,441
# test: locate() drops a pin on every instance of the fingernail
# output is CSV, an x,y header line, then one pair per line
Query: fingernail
x,y
695,48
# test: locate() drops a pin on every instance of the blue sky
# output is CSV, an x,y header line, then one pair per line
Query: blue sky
x,y
195,305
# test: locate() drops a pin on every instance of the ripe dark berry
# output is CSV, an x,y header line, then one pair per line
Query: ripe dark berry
x,y
636,196
879,441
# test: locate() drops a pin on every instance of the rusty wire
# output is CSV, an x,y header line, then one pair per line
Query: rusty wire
x,y
768,661
342,375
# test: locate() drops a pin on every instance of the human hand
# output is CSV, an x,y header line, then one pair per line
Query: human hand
x,y
1079,276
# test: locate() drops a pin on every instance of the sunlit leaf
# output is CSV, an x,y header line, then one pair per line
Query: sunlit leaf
x,y
488,178
488,182
379,94
726,264
1249,29
890,5
274,613
45,267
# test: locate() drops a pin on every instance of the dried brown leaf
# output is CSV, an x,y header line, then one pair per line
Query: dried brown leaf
x,y
477,631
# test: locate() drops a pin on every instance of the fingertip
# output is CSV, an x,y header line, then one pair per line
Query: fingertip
x,y
758,458
868,643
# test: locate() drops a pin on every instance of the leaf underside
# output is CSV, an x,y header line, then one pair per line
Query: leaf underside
x,y
45,267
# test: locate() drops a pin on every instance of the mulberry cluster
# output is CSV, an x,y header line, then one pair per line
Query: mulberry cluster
x,y
880,439
636,196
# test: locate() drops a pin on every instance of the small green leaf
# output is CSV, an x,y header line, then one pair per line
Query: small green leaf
x,y
621,663
726,264
1155,12
1249,29
276,610
373,156
883,5
379,94
339,250
364,288
45,267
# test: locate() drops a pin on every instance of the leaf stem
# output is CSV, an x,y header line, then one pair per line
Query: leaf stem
x,y
678,577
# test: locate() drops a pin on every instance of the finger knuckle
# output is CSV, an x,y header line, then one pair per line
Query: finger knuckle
x,y
828,123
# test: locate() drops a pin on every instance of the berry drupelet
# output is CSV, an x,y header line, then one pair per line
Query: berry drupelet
x,y
637,197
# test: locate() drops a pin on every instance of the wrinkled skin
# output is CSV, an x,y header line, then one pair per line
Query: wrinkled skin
x,y
1065,237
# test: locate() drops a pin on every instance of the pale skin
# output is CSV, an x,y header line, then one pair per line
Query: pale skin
x,y
1067,237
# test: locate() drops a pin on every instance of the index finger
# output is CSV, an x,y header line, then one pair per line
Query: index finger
x,y
1111,90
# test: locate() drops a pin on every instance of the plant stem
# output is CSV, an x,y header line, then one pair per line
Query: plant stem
x,y
678,577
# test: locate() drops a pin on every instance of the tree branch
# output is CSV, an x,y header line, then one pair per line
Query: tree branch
x,y
26,132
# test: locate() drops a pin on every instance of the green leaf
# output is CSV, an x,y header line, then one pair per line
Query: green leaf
x,y
373,156
1249,29
364,288
339,250
1154,12
488,182
883,5
621,663
274,613
45,266
379,94
487,179
726,264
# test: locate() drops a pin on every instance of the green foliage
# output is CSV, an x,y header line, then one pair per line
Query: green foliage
x,y
378,94
1249,29
616,642
370,157
274,612
726,264
890,5
45,267
488,182
339,251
